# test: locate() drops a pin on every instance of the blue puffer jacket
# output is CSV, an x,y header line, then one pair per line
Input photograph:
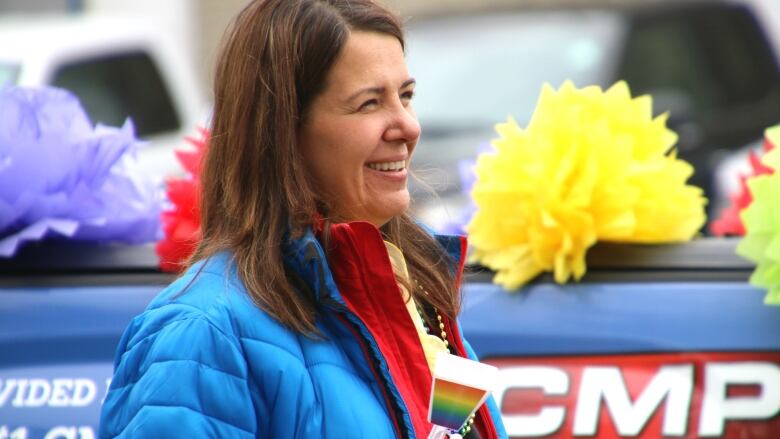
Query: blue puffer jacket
x,y
209,363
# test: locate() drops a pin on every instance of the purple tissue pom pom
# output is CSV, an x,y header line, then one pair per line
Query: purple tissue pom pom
x,y
62,177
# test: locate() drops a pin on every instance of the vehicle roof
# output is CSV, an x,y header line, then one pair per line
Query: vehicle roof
x,y
433,9
702,254
767,11
30,36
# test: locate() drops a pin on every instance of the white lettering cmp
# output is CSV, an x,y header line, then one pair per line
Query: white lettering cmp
x,y
672,383
717,408
551,380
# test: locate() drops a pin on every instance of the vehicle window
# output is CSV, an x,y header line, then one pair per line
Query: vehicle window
x,y
115,87
8,74
663,57
477,70
712,69
710,65
474,71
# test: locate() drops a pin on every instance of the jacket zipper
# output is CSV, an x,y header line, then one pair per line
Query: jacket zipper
x,y
391,408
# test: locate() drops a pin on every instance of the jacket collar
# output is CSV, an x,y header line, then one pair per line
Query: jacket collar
x,y
307,257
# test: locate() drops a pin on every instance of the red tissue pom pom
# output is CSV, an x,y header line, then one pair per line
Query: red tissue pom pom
x,y
729,222
181,224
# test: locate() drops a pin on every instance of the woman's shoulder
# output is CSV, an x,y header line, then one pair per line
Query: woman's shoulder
x,y
203,288
210,293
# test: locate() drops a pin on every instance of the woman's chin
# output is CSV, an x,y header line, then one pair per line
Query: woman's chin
x,y
382,208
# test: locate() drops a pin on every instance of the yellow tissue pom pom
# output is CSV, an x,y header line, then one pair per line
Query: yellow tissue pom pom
x,y
592,165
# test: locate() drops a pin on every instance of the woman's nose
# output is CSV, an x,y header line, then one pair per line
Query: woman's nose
x,y
403,127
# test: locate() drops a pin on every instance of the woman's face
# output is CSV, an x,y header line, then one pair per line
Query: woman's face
x,y
360,132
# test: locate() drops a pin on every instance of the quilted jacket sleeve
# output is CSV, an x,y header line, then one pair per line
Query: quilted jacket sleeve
x,y
178,375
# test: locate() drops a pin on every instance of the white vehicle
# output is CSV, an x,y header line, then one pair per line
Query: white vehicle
x,y
118,68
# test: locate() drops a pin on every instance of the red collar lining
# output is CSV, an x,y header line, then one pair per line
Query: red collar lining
x,y
364,275
362,270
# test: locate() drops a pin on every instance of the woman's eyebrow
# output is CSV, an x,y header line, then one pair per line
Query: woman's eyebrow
x,y
408,82
370,90
379,90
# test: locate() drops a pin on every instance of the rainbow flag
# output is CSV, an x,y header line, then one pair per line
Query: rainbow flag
x,y
460,386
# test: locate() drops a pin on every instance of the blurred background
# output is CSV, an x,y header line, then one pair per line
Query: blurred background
x,y
712,64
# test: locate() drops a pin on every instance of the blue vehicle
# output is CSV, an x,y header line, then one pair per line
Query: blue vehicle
x,y
655,341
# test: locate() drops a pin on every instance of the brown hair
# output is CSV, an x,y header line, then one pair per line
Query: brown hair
x,y
256,190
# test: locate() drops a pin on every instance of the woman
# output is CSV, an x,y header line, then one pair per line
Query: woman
x,y
304,314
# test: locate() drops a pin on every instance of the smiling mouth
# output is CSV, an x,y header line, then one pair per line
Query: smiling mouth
x,y
395,166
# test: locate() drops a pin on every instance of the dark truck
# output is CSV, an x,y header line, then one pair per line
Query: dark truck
x,y
714,65
656,341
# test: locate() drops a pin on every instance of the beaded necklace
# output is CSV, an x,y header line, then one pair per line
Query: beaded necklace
x,y
467,426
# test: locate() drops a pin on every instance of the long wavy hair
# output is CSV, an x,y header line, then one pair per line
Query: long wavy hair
x,y
256,188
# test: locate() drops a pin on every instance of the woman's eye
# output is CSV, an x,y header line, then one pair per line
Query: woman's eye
x,y
371,103
407,95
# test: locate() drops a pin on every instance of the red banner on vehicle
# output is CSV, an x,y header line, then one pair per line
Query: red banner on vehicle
x,y
681,395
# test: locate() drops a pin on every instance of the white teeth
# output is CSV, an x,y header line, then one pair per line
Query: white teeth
x,y
388,166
